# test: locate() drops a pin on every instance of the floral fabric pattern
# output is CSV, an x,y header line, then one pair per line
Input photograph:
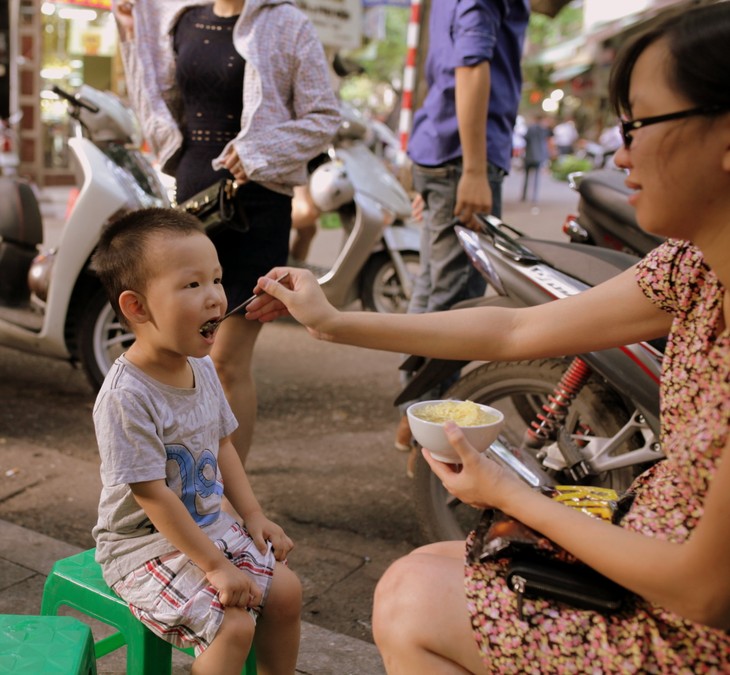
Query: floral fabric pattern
x,y
695,416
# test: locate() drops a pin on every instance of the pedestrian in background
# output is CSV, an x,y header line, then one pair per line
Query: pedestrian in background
x,y
232,89
566,136
537,153
461,143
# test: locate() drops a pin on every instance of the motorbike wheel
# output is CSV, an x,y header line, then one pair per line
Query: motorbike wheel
x,y
518,390
381,288
101,338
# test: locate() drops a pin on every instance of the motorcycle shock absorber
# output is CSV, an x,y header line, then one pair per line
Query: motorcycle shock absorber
x,y
545,427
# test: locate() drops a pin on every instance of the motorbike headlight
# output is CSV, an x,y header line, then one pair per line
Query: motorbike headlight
x,y
330,186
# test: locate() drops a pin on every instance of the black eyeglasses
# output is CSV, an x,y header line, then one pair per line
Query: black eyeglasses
x,y
628,126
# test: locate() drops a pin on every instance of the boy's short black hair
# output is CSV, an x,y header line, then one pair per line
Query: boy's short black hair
x,y
120,260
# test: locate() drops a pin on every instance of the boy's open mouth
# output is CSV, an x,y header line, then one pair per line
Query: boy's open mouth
x,y
209,327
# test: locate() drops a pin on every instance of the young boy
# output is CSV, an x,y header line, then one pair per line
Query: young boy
x,y
188,570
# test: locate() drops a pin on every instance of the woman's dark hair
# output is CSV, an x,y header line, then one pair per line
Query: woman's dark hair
x,y
698,39
120,261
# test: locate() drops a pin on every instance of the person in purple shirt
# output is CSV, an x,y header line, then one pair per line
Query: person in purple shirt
x,y
461,143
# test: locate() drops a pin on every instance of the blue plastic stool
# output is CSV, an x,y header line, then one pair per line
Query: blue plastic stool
x,y
52,645
77,582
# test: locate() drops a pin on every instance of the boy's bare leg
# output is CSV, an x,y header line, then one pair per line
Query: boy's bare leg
x,y
227,654
279,626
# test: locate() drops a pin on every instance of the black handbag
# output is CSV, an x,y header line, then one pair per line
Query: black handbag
x,y
217,207
536,567
574,584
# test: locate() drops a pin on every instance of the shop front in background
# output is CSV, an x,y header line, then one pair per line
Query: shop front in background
x,y
64,43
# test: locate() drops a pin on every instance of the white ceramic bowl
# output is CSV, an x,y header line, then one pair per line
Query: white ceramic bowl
x,y
431,435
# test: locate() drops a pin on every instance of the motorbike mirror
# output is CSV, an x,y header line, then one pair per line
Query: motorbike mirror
x,y
74,100
504,238
470,242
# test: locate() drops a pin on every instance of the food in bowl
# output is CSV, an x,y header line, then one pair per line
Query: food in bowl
x,y
479,423
463,413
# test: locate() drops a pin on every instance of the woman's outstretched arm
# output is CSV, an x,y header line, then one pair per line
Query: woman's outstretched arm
x,y
609,315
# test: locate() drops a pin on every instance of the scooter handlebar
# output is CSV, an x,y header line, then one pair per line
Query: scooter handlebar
x,y
74,100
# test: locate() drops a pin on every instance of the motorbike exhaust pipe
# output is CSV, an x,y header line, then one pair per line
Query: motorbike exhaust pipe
x,y
520,462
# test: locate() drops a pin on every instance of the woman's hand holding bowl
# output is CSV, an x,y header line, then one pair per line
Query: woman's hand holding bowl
x,y
478,480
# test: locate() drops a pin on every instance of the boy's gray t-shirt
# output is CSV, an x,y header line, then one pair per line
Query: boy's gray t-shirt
x,y
146,431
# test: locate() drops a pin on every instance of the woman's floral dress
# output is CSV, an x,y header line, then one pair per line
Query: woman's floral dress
x,y
695,416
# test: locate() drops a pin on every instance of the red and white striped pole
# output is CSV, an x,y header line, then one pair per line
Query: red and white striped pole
x,y
409,80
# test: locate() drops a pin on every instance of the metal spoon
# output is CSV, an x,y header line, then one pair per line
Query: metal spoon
x,y
209,327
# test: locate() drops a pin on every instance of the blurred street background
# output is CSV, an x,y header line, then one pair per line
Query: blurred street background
x,y
571,45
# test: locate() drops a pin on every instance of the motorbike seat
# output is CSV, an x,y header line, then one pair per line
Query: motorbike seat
x,y
20,217
606,191
590,264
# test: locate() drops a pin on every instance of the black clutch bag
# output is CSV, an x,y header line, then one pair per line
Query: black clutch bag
x,y
574,584
536,567
217,207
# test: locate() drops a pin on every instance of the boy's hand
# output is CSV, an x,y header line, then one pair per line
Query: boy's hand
x,y
263,530
235,588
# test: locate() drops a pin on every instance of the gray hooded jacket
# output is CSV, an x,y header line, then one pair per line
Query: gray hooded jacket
x,y
290,111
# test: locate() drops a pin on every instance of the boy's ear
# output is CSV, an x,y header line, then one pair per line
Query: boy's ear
x,y
133,307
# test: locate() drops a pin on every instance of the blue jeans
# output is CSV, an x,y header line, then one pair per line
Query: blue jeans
x,y
447,276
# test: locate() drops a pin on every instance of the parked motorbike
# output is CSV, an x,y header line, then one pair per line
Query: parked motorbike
x,y
379,257
605,218
50,302
590,419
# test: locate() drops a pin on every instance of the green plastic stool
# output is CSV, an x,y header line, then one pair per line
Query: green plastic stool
x,y
77,582
52,645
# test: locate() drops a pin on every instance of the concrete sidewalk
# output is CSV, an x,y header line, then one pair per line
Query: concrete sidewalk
x,y
26,558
